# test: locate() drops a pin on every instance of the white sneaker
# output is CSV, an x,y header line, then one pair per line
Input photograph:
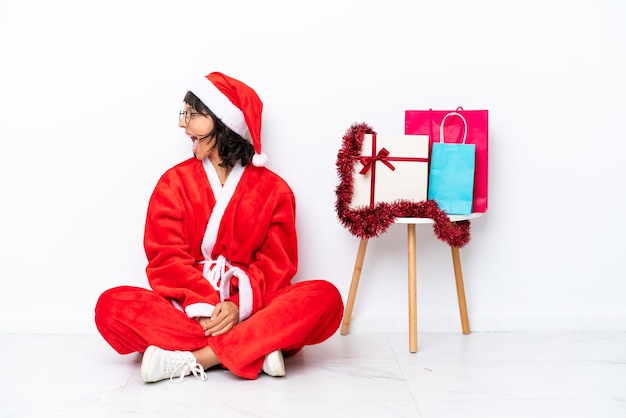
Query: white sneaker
x,y
158,364
274,365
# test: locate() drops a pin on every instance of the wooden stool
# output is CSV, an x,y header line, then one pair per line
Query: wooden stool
x,y
458,275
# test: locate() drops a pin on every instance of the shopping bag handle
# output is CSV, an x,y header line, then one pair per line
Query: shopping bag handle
x,y
443,121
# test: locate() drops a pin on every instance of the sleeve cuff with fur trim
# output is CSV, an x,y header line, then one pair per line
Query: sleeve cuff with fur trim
x,y
196,310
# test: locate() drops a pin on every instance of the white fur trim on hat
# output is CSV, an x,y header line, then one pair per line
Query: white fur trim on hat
x,y
221,106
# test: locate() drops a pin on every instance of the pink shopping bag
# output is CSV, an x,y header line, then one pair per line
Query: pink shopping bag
x,y
428,122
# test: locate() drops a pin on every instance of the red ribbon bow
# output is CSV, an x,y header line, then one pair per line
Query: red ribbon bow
x,y
368,162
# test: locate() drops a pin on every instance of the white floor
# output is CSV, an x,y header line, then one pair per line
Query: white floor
x,y
358,375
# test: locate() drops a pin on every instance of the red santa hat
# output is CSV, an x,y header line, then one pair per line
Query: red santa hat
x,y
237,105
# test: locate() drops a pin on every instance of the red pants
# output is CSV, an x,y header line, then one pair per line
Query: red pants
x,y
304,313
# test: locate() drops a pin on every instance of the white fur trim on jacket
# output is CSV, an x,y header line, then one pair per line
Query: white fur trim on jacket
x,y
219,272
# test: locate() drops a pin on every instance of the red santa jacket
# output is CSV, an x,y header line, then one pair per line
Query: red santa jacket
x,y
252,235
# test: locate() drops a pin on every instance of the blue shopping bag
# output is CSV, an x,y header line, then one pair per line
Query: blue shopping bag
x,y
451,178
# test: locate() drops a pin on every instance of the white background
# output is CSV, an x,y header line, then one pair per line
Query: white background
x,y
89,96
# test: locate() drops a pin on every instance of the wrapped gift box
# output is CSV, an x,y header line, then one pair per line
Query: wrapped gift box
x,y
390,168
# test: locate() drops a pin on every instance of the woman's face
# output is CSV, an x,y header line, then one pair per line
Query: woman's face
x,y
197,126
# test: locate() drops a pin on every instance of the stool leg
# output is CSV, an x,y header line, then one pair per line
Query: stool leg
x,y
412,289
460,289
356,275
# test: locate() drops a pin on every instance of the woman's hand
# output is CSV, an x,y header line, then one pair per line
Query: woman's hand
x,y
225,316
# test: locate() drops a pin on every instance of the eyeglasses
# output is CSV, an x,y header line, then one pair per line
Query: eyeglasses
x,y
187,114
